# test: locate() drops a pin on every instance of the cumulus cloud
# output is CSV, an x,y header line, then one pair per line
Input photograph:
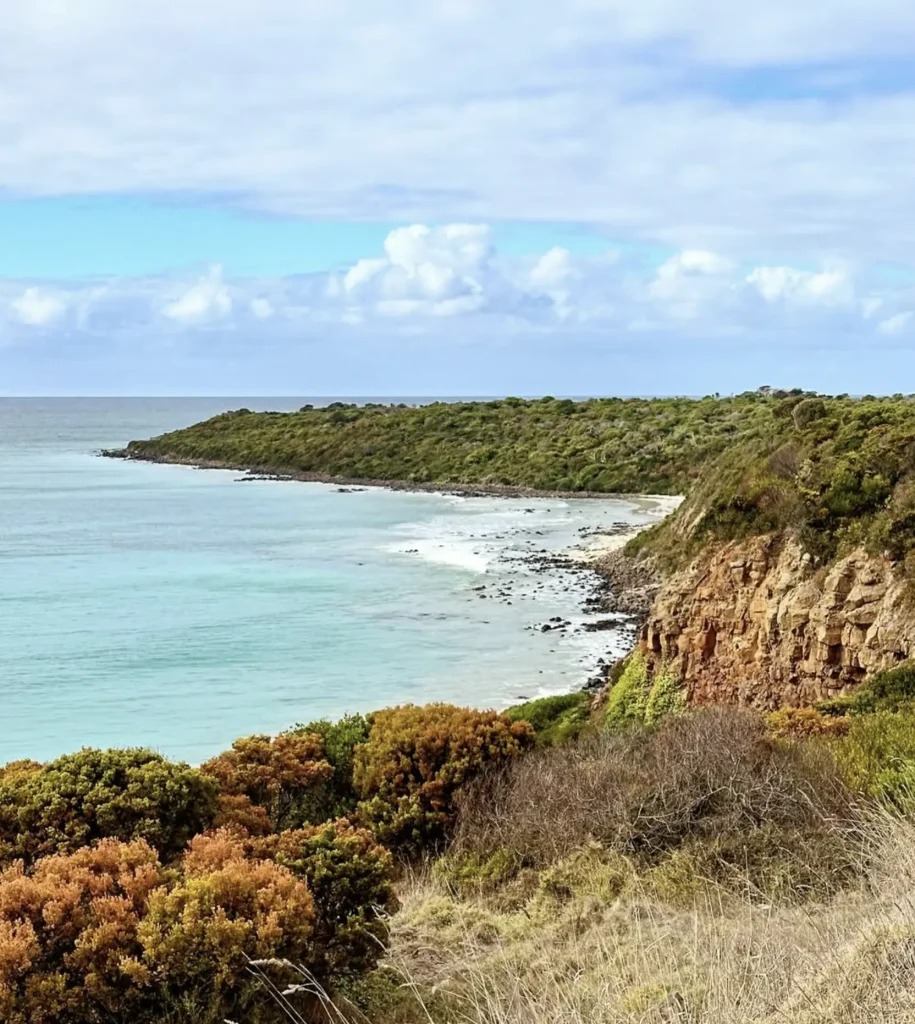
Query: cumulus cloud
x,y
442,271
208,299
38,308
261,308
430,279
690,280
830,287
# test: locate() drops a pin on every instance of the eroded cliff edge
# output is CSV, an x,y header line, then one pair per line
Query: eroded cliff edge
x,y
757,622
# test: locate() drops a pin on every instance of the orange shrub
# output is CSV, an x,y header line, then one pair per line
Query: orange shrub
x,y
349,876
239,812
415,760
198,935
274,773
69,948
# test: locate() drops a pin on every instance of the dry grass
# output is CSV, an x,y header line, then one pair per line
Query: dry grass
x,y
586,959
707,777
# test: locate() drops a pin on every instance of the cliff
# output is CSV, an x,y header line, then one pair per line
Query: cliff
x,y
757,622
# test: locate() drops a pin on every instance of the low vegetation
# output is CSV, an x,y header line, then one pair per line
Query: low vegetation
x,y
629,860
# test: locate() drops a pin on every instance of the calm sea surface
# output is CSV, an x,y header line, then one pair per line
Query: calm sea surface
x,y
176,608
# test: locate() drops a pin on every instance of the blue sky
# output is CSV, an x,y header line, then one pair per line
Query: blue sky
x,y
456,197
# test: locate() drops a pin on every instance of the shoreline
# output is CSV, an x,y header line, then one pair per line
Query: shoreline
x,y
254,472
619,588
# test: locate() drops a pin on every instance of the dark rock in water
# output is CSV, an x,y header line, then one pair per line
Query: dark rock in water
x,y
545,628
600,625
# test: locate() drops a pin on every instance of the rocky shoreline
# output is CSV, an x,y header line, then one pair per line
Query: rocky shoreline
x,y
254,473
621,588
618,587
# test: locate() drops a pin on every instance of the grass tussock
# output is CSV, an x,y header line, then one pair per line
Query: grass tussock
x,y
581,954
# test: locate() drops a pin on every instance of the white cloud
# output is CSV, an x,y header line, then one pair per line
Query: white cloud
x,y
38,308
261,308
553,270
831,287
443,271
895,324
690,280
430,276
206,300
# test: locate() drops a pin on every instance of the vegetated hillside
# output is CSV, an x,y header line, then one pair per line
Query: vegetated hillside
x,y
836,471
607,445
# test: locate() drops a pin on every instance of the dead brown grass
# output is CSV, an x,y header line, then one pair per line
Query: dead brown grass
x,y
713,776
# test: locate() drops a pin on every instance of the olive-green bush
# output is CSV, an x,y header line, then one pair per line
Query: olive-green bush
x,y
93,794
336,797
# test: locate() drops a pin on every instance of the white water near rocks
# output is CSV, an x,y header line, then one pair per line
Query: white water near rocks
x,y
174,608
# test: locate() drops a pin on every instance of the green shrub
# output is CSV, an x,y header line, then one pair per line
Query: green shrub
x,y
554,719
628,698
891,690
474,874
123,794
337,797
666,696
808,410
638,698
877,755
350,878
278,774
417,758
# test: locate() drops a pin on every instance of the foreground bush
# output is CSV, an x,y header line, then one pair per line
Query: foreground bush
x,y
694,779
83,797
198,935
351,880
69,945
107,934
349,877
417,758
278,773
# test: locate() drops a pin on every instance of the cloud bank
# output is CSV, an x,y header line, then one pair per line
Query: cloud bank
x,y
707,125
428,277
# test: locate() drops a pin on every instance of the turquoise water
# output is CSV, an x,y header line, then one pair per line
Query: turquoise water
x,y
176,608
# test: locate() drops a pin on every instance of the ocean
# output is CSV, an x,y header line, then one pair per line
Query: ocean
x,y
174,608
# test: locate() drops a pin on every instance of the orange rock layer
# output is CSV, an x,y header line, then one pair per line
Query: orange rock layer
x,y
757,623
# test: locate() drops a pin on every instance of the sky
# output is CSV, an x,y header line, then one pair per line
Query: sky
x,y
456,197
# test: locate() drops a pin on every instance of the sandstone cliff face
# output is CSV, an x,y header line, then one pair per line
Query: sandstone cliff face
x,y
757,623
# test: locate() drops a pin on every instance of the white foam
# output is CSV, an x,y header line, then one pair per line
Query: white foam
x,y
460,554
